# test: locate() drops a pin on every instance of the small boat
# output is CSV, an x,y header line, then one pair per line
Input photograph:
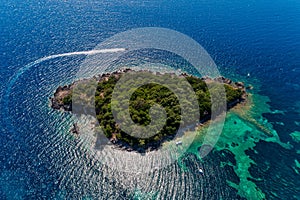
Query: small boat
x,y
201,171
248,75
179,143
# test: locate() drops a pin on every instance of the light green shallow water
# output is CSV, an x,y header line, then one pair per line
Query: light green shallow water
x,y
244,126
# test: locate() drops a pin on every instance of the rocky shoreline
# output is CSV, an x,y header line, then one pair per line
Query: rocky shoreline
x,y
57,103
57,100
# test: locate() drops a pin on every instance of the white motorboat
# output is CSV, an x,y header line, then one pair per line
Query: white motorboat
x,y
201,170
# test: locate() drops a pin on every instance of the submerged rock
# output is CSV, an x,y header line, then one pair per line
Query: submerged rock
x,y
75,129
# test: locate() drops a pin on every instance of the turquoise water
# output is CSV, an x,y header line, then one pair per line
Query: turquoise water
x,y
257,157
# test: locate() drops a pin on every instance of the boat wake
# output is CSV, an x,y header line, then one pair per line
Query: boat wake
x,y
14,78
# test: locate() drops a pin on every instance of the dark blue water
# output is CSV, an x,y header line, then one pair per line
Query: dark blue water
x,y
257,37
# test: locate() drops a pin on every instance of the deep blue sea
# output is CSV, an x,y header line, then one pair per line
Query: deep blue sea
x,y
40,160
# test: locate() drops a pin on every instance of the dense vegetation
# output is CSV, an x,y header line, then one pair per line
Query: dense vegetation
x,y
142,100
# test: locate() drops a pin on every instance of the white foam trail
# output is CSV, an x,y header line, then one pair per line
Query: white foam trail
x,y
29,65
92,52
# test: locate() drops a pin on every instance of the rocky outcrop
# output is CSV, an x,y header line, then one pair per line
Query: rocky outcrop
x,y
57,100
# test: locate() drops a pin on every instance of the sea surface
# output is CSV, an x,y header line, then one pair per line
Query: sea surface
x,y
258,153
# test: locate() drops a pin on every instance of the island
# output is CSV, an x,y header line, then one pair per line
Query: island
x,y
141,101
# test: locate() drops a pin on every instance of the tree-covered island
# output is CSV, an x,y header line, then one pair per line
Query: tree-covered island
x,y
141,102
